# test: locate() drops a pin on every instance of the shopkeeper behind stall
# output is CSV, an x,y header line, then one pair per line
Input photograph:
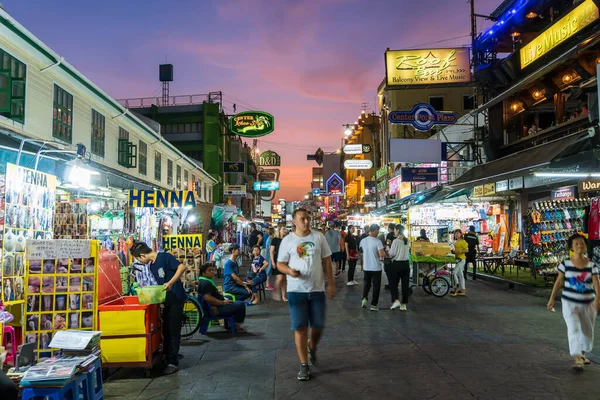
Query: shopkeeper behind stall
x,y
167,271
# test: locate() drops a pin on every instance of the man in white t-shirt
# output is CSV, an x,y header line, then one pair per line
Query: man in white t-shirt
x,y
305,256
373,253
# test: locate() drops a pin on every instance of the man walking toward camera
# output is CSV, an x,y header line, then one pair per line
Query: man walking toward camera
x,y
305,257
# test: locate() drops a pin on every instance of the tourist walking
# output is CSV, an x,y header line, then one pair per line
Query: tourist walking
x,y
269,239
333,238
460,250
305,257
351,247
280,291
399,270
373,253
578,279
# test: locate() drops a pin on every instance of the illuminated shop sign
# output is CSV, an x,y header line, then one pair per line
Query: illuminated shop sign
x,y
566,27
251,124
161,198
427,67
422,117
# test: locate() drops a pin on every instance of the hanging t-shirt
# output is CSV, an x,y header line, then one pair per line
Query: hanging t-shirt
x,y
305,254
370,247
594,220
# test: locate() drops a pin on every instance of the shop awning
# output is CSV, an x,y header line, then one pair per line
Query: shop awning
x,y
520,163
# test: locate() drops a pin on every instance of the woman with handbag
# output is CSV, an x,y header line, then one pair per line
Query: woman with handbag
x,y
351,244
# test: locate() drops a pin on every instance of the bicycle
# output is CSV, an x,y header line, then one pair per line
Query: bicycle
x,y
192,315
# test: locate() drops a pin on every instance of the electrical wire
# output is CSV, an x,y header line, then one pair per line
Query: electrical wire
x,y
439,41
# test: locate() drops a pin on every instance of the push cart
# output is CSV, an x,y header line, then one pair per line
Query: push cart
x,y
430,273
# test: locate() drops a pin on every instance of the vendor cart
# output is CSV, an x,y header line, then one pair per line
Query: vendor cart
x,y
131,333
432,274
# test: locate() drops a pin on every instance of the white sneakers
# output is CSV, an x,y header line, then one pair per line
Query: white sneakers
x,y
352,283
396,305
403,307
374,308
364,303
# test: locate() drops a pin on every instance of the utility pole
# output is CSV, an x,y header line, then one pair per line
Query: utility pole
x,y
474,63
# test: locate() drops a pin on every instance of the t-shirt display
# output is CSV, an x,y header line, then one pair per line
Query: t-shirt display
x,y
305,254
370,247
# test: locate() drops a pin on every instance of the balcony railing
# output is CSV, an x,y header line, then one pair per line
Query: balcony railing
x,y
183,100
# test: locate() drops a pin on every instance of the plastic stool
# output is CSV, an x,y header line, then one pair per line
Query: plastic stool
x,y
94,377
6,332
68,392
262,293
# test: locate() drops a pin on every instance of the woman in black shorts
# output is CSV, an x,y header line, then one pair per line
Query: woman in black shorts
x,y
280,292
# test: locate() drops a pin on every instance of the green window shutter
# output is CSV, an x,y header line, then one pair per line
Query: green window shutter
x,y
5,91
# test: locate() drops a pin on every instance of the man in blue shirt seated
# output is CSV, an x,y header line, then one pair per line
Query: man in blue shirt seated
x,y
167,271
221,306
232,282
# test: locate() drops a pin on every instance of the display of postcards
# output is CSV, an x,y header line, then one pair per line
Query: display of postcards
x,y
48,302
74,320
62,283
74,302
33,303
48,284
20,264
88,283
61,302
87,302
31,338
49,267
86,319
75,284
46,322
62,267
33,284
89,265
60,321
19,289
32,324
8,289
75,266
8,265
45,339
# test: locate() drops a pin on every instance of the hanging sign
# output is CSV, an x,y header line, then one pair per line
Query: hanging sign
x,y
383,171
334,185
501,186
161,199
234,190
182,241
515,183
427,66
269,159
268,186
358,164
565,193
489,189
233,167
419,174
478,191
353,149
58,248
423,117
251,124
589,186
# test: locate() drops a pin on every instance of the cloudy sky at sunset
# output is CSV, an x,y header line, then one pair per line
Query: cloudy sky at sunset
x,y
310,63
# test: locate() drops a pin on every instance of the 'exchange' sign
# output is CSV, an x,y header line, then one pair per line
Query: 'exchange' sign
x,y
426,67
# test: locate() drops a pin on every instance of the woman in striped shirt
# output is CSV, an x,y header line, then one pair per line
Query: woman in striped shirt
x,y
578,277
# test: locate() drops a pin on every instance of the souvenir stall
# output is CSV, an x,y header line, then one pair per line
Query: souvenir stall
x,y
188,250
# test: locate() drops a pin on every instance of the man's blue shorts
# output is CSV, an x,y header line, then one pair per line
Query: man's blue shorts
x,y
307,309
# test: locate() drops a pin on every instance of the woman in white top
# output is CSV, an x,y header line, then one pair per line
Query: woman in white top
x,y
578,278
399,270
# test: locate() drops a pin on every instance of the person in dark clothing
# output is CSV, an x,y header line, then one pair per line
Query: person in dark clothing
x,y
221,306
351,250
391,236
473,242
423,236
256,237
8,389
167,271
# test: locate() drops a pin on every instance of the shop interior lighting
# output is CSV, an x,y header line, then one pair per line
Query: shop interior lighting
x,y
349,131
531,15
567,78
537,95
191,218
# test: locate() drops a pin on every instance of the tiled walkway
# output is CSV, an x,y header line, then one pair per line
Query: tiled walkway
x,y
493,344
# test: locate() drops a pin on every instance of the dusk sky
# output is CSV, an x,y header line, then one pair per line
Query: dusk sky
x,y
310,63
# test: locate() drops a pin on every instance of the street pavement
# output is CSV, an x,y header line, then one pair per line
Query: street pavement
x,y
493,344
